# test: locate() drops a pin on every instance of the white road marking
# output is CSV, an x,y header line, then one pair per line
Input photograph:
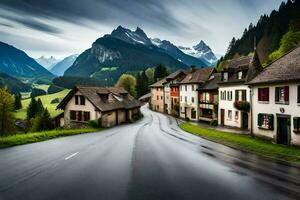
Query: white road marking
x,y
70,156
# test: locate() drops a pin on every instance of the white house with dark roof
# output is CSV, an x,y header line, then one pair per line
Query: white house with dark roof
x,y
276,100
234,94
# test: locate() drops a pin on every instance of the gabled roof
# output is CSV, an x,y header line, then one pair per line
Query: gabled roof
x,y
170,77
120,99
212,82
197,76
284,69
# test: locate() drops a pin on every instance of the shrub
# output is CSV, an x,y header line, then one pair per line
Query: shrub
x,y
242,105
37,92
56,100
213,123
42,122
94,124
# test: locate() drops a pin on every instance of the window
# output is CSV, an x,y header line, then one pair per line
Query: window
x,y
240,75
240,95
185,88
73,115
193,87
161,97
265,121
193,100
157,97
282,95
229,114
205,97
296,121
236,117
79,100
225,76
86,116
263,94
193,113
79,115
185,99
229,95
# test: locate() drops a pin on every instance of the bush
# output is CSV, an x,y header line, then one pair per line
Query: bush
x,y
137,116
42,122
213,123
56,100
54,89
37,92
94,124
242,106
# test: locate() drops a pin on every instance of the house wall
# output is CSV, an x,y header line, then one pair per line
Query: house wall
x,y
189,93
167,97
228,105
203,105
121,116
292,109
109,119
157,99
88,107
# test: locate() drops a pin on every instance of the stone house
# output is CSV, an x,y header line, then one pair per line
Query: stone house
x,y
109,106
157,96
276,100
233,91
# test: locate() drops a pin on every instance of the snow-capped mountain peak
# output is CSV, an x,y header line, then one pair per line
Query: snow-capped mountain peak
x,y
135,37
47,62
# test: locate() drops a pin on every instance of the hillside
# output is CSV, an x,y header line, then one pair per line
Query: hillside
x,y
17,63
14,85
268,32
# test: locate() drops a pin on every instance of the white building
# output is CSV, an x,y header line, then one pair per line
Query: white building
x,y
189,98
233,92
276,100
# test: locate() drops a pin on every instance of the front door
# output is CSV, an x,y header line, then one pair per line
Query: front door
x,y
283,130
222,116
245,120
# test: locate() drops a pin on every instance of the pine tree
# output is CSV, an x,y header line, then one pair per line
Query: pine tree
x,y
6,112
42,122
18,102
142,85
40,107
34,108
160,72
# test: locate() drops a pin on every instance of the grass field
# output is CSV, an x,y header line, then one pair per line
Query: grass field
x,y
46,99
40,136
247,143
42,87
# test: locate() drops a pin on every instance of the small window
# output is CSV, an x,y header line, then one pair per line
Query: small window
x,y
282,95
240,75
193,100
230,114
79,115
86,116
225,76
298,99
185,99
229,95
157,97
236,117
193,87
193,113
241,95
76,99
265,121
161,97
263,94
73,115
296,121
185,88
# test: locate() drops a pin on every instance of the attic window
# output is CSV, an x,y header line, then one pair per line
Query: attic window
x,y
211,78
119,98
240,75
225,76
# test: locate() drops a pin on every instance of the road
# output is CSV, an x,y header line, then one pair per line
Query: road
x,y
151,159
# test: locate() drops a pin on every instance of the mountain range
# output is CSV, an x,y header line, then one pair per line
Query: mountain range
x,y
127,51
48,63
17,63
59,68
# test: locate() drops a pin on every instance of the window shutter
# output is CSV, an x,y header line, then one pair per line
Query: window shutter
x,y
298,94
277,94
259,120
286,93
244,98
259,94
295,119
267,94
76,100
271,122
236,95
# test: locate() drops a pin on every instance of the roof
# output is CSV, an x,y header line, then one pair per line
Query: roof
x,y
120,98
284,69
212,82
249,65
197,76
170,77
146,96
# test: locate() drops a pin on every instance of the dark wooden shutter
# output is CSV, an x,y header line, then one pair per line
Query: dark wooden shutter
x,y
86,116
260,94
295,120
267,94
298,94
76,100
286,93
79,115
236,95
271,122
277,94
259,119
244,97
82,100
73,115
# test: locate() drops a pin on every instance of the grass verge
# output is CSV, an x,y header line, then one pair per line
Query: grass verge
x,y
19,139
247,143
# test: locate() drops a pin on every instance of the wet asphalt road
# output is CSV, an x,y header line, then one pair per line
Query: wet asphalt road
x,y
151,159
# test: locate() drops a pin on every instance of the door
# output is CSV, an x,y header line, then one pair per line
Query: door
x,y
283,130
245,120
222,116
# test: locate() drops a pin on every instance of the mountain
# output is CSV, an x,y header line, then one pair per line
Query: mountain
x,y
14,85
176,53
268,32
17,63
48,63
63,65
201,51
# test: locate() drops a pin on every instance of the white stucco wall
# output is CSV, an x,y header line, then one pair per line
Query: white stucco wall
x,y
167,97
293,109
88,107
228,105
189,93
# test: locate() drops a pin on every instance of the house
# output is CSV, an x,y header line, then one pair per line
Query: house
x,y
234,94
145,98
171,92
276,100
209,98
189,101
157,96
108,105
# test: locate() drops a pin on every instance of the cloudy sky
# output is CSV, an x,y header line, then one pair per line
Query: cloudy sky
x,y
64,27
